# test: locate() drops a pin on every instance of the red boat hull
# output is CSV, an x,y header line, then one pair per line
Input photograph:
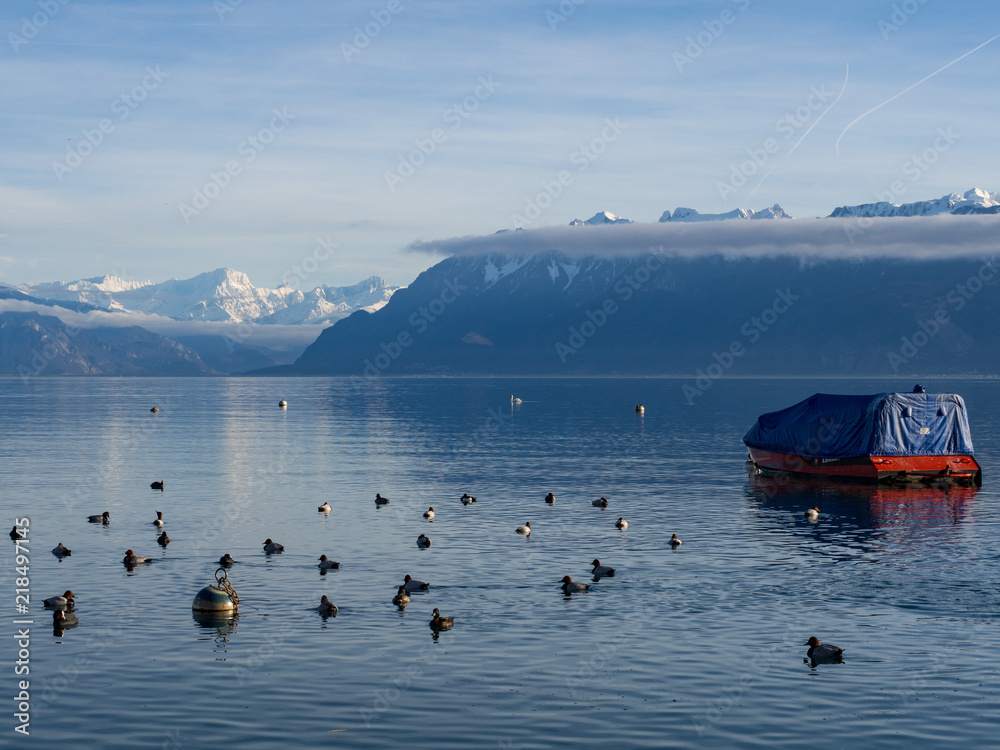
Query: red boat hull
x,y
889,469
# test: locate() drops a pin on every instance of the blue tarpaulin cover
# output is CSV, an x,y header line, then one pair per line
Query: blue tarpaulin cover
x,y
886,424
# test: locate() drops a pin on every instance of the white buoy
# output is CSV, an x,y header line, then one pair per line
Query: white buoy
x,y
282,404
221,598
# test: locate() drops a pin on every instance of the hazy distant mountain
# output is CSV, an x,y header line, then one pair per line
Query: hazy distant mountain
x,y
602,217
548,314
974,201
220,295
689,214
33,344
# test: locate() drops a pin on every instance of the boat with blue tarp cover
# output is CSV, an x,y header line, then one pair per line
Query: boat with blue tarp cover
x,y
885,437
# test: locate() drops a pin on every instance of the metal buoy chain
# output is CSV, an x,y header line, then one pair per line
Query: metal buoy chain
x,y
226,586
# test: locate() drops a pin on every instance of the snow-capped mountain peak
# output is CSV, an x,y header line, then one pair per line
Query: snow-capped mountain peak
x,y
690,214
602,217
975,201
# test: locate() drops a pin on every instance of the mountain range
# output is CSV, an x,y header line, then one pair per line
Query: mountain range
x,y
538,313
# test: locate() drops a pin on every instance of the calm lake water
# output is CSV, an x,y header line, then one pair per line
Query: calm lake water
x,y
702,647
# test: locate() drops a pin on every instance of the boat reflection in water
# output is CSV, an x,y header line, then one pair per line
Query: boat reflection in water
x,y
860,505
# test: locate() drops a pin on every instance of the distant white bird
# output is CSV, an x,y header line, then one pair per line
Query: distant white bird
x,y
327,607
60,551
325,508
131,559
571,587
812,514
271,547
429,514
526,529
423,541
159,519
622,524
401,599
326,564
601,570
514,400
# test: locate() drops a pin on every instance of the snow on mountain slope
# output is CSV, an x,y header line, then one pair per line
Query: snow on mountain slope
x,y
974,201
690,214
602,217
221,295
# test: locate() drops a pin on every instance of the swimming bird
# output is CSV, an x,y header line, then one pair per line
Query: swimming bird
x,y
639,408
270,546
327,607
401,599
155,409
621,523
441,623
812,514
66,600
550,498
570,586
819,650
379,500
282,404
526,529
226,559
514,400
429,514
159,519
601,570
157,485
412,585
60,551
467,498
105,517
602,503
15,534
325,508
163,540
327,564
423,541
675,542
131,559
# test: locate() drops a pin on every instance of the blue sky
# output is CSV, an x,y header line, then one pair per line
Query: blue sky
x,y
291,137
